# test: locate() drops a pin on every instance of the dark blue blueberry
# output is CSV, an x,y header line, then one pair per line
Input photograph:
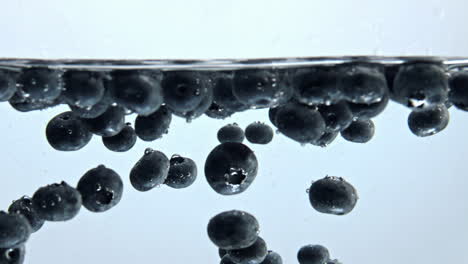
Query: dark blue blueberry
x,y
368,111
25,104
67,132
333,195
150,171
458,94
272,258
57,202
200,109
231,133
223,93
183,90
154,126
428,121
182,172
93,111
40,84
136,91
227,260
101,189
360,131
299,122
25,207
108,124
316,85
12,255
233,230
83,88
419,85
123,141
222,252
253,254
230,168
218,112
7,85
390,73
14,230
259,133
313,254
260,88
362,83
336,116
272,115
326,139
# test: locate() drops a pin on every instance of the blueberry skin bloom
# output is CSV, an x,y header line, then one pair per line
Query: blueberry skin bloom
x,y
121,142
230,168
182,172
67,132
57,202
231,133
233,230
419,85
253,254
14,230
12,255
150,171
428,121
25,207
333,195
259,133
7,85
458,93
101,189
313,254
136,91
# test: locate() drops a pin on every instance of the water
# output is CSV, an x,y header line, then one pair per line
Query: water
x,y
411,189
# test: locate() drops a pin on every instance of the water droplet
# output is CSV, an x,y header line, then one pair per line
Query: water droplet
x,y
148,151
69,131
114,104
307,190
98,187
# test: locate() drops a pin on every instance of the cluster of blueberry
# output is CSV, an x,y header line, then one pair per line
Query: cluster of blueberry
x,y
98,190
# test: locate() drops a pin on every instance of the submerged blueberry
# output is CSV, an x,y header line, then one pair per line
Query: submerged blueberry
x,y
67,132
14,230
313,254
360,131
13,255
230,168
7,85
121,142
200,109
326,139
368,111
108,124
259,133
316,85
255,253
223,93
336,116
154,126
57,202
333,195
25,207
182,172
41,84
272,258
83,88
458,94
150,171
428,121
231,133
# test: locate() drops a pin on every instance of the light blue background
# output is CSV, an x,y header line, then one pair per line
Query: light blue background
x,y
412,206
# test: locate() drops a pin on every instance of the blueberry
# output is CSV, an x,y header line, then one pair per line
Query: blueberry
x,y
230,168
360,131
123,141
259,133
418,85
272,115
255,253
231,133
93,111
313,254
101,189
260,88
227,260
150,171
428,121
25,207
200,109
108,124
66,132
184,91
223,93
14,230
40,84
83,88
152,127
332,195
299,122
368,111
218,112
316,85
362,83
57,202
26,104
13,255
136,91
7,85
390,73
233,230
336,116
326,139
458,93
182,172
222,252
272,258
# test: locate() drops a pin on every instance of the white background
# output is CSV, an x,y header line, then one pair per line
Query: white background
x,y
413,191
